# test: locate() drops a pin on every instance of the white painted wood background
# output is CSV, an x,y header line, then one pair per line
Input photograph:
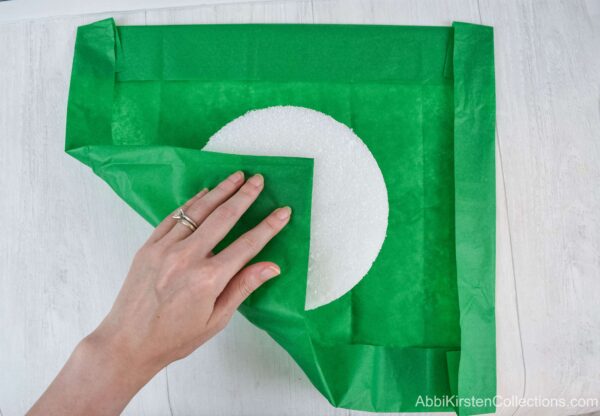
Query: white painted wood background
x,y
13,10
66,240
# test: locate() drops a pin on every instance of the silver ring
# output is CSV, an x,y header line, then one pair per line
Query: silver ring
x,y
182,218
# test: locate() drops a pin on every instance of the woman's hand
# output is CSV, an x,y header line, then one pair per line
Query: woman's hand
x,y
176,296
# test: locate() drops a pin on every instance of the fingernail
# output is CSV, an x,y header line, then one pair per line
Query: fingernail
x,y
256,180
269,272
283,213
237,177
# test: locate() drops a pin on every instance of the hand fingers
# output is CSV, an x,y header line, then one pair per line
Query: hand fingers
x,y
167,224
242,250
239,288
201,208
216,226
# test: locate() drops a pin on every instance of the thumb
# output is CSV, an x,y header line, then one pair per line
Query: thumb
x,y
239,288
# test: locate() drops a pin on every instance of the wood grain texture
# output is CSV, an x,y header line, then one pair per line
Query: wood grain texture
x,y
67,240
548,79
23,10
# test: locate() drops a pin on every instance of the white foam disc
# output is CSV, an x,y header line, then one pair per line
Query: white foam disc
x,y
349,203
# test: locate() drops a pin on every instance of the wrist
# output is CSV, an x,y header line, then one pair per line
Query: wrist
x,y
117,371
115,360
98,379
106,373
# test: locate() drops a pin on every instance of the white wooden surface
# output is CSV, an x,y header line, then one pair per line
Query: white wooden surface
x,y
66,240
14,10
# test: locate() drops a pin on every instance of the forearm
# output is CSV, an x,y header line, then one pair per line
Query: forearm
x,y
96,380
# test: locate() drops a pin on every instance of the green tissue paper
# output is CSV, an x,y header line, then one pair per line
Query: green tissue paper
x,y
144,100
